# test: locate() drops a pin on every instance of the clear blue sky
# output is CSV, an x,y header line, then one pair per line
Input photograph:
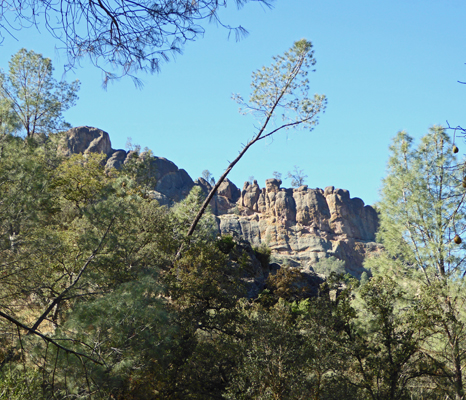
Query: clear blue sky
x,y
384,66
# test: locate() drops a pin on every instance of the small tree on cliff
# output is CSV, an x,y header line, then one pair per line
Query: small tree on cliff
x,y
297,177
282,87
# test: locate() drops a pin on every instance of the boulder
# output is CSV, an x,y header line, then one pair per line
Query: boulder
x,y
204,185
85,139
250,195
255,273
175,185
161,198
164,167
229,190
116,160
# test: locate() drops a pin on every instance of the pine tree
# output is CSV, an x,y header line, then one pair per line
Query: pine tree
x,y
422,216
35,98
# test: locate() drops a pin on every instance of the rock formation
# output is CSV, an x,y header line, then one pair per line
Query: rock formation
x,y
86,139
256,274
224,201
173,184
300,226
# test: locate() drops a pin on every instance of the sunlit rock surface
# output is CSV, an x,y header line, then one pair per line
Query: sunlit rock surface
x,y
300,226
304,225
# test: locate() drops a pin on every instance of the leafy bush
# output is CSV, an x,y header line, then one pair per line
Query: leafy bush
x,y
263,254
325,266
226,244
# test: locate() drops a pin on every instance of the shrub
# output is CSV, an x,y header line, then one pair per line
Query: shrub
x,y
226,244
263,254
326,266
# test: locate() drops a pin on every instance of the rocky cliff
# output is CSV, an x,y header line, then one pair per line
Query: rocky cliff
x,y
173,184
301,226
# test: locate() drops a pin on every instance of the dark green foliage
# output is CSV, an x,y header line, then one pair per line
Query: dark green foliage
x,y
141,168
387,357
130,308
263,254
270,354
226,244
129,327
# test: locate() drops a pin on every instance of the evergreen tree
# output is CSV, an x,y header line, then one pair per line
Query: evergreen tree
x,y
281,88
384,343
423,205
9,122
422,218
35,99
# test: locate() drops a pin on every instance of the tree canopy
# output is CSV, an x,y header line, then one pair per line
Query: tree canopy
x,y
423,205
31,99
129,35
422,220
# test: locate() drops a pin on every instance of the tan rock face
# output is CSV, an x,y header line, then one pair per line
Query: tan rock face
x,y
250,196
86,139
304,225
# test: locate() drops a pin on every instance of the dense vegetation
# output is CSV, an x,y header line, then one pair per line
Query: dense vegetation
x,y
97,303
104,294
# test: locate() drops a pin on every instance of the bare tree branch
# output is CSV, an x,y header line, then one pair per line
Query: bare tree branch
x,y
125,34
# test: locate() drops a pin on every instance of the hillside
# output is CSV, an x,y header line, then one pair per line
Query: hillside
x,y
301,226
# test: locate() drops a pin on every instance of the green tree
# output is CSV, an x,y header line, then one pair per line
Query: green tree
x,y
80,179
185,211
384,343
74,243
423,205
422,212
25,198
9,123
36,99
273,357
142,169
282,87
294,350
326,266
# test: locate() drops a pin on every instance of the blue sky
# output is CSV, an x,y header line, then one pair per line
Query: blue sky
x,y
384,66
